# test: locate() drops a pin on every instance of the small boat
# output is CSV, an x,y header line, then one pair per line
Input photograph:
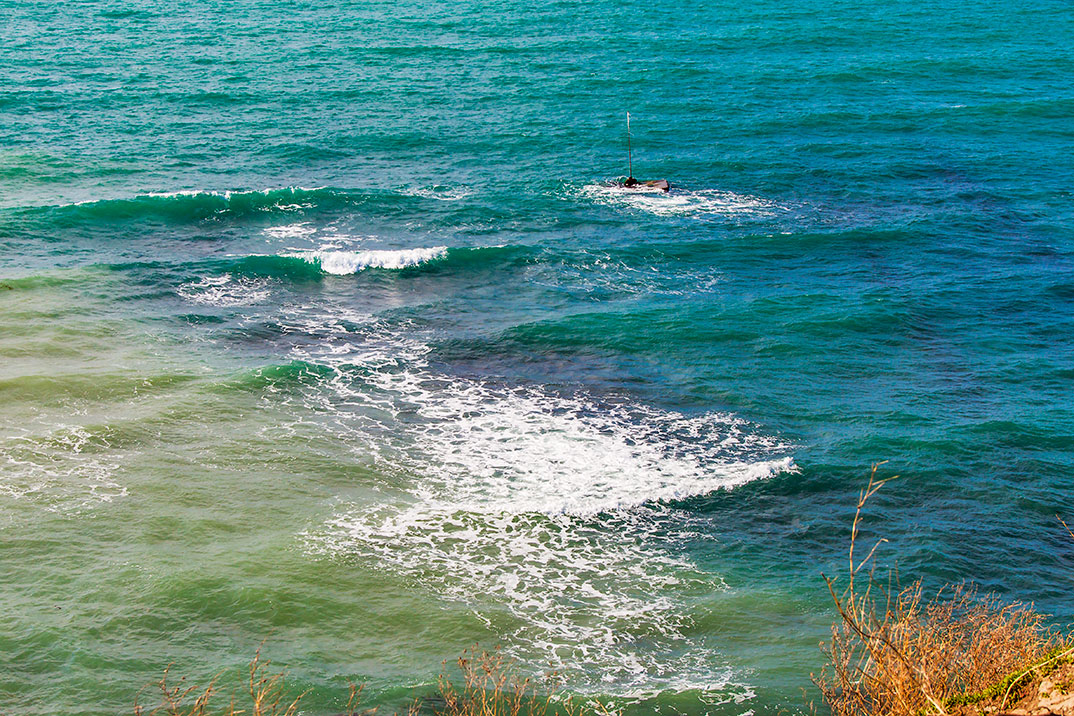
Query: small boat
x,y
639,184
632,183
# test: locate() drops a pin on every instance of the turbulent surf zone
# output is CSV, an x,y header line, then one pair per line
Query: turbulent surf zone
x,y
551,515
334,328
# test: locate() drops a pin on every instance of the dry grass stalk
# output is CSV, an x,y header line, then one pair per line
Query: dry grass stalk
x,y
490,686
895,654
264,689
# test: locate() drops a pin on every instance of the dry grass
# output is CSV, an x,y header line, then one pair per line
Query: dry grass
x,y
492,686
896,653
264,694
488,684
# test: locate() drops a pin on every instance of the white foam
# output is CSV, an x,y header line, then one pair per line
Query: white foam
x,y
527,451
680,202
225,194
290,231
596,601
228,193
348,262
547,507
65,469
226,290
440,192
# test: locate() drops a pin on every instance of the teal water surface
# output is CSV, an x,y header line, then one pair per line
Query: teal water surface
x,y
320,324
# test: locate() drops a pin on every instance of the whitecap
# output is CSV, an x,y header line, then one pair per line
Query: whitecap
x,y
348,262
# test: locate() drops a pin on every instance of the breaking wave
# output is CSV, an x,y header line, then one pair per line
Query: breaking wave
x,y
348,262
313,264
557,509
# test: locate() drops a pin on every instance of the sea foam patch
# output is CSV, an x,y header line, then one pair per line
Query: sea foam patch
x,y
550,514
63,469
226,290
528,451
595,600
290,231
440,192
681,202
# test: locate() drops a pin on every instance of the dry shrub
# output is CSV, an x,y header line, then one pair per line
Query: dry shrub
x,y
895,654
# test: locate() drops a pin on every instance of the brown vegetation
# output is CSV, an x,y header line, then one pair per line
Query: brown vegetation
x,y
489,685
492,686
263,695
896,653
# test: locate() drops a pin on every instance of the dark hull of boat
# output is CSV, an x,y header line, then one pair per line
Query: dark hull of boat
x,y
650,184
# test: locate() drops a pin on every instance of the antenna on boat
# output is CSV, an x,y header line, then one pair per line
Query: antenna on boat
x,y
631,182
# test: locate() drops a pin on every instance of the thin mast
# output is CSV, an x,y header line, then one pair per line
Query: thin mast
x,y
630,156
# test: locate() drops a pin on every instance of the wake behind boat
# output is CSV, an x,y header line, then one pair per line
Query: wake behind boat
x,y
639,184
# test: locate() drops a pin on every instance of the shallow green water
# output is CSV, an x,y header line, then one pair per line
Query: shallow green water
x,y
320,325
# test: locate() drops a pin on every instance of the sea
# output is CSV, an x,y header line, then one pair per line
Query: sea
x,y
325,330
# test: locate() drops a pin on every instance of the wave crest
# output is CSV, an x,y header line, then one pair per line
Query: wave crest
x,y
342,263
193,206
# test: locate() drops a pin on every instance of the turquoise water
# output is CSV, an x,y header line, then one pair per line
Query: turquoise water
x,y
319,325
